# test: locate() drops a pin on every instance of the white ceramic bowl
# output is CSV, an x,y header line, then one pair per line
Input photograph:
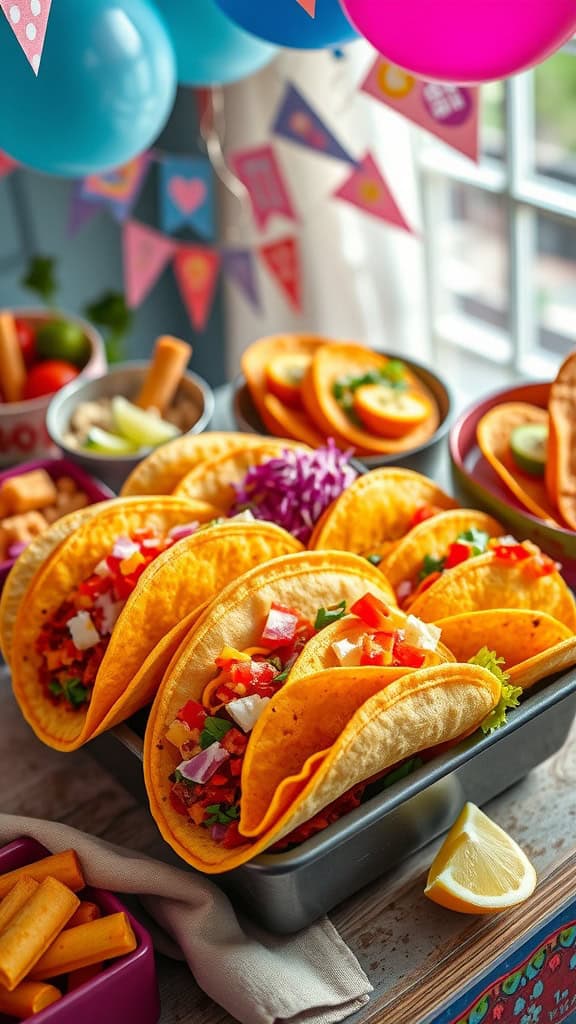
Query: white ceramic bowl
x,y
23,433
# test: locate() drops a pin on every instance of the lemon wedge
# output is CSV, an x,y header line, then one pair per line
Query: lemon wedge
x,y
144,429
479,869
105,443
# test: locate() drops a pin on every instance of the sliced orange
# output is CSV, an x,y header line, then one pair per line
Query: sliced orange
x,y
479,869
285,373
390,412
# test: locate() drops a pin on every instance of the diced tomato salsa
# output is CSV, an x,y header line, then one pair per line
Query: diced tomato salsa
x,y
67,673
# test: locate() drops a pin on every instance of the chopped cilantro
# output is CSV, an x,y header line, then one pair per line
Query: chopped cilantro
x,y
56,688
509,696
402,771
324,616
477,539
283,675
430,565
220,814
214,729
374,559
73,690
178,777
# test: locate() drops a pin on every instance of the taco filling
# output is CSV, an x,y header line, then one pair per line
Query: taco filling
x,y
211,736
470,544
73,641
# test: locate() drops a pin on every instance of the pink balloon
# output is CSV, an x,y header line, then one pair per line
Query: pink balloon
x,y
465,41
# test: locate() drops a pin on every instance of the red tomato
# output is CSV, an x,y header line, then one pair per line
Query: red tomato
x,y
47,377
27,340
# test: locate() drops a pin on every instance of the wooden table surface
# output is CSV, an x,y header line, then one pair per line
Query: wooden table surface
x,y
390,926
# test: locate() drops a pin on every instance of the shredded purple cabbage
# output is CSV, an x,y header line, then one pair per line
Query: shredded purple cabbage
x,y
294,489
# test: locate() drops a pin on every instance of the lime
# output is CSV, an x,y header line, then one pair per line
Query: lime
x,y
102,441
63,339
528,444
141,427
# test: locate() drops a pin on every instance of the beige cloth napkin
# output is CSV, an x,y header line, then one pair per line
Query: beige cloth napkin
x,y
308,978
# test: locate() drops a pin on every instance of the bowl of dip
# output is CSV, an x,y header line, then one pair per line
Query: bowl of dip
x,y
81,406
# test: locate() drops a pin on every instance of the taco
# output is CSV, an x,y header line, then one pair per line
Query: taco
x,y
217,477
108,597
510,575
560,471
529,642
435,546
226,686
378,509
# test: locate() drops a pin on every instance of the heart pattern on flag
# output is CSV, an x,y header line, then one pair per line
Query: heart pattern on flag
x,y
187,193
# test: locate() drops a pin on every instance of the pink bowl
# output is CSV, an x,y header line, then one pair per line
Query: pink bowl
x,y
126,990
23,433
476,483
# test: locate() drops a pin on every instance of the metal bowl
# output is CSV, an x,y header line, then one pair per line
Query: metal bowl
x,y
123,379
423,459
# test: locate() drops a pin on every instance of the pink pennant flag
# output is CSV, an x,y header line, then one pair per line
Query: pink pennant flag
x,y
451,112
366,188
283,261
309,6
28,20
196,268
259,171
145,252
7,164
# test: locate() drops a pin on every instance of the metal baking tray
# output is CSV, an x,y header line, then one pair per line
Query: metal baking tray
x,y
288,890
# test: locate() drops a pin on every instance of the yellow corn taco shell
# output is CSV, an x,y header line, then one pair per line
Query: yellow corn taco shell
x,y
516,634
493,433
214,480
544,664
487,582
178,581
162,470
376,510
433,537
306,581
560,477
25,567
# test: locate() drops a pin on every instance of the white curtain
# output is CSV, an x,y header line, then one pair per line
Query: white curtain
x,y
362,279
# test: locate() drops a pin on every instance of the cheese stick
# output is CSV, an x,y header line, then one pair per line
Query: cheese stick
x,y
33,490
33,930
16,898
12,368
164,374
86,912
64,866
87,944
28,998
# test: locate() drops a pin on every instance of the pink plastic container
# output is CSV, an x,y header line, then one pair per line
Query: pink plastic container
x,y
126,990
55,468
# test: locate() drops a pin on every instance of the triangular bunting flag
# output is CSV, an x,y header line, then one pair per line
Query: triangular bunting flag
x,y
7,164
309,6
283,261
196,269
451,112
239,266
145,252
367,189
119,188
297,121
260,173
187,194
81,211
28,20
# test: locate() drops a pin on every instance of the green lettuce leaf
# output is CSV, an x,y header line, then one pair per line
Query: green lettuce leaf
x,y
509,696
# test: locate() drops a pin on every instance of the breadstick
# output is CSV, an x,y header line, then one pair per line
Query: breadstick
x,y
28,998
33,930
164,374
86,912
16,898
85,945
64,866
12,368
33,490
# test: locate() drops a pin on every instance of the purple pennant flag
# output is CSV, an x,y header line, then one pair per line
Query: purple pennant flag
x,y
297,121
81,210
239,266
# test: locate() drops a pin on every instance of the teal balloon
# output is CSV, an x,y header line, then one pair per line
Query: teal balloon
x,y
210,49
286,23
105,88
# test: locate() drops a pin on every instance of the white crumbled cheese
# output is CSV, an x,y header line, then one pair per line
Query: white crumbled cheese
x,y
110,611
242,517
422,634
347,652
508,540
247,710
83,631
102,568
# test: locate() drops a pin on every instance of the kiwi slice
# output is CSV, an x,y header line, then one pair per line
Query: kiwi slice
x,y
528,444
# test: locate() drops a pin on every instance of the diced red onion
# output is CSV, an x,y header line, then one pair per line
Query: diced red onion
x,y
110,611
403,590
202,766
294,489
185,530
124,547
16,549
218,832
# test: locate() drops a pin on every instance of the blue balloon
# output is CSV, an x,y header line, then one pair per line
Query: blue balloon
x,y
287,23
105,88
210,49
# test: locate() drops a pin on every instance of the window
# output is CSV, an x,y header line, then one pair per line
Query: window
x,y
500,237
